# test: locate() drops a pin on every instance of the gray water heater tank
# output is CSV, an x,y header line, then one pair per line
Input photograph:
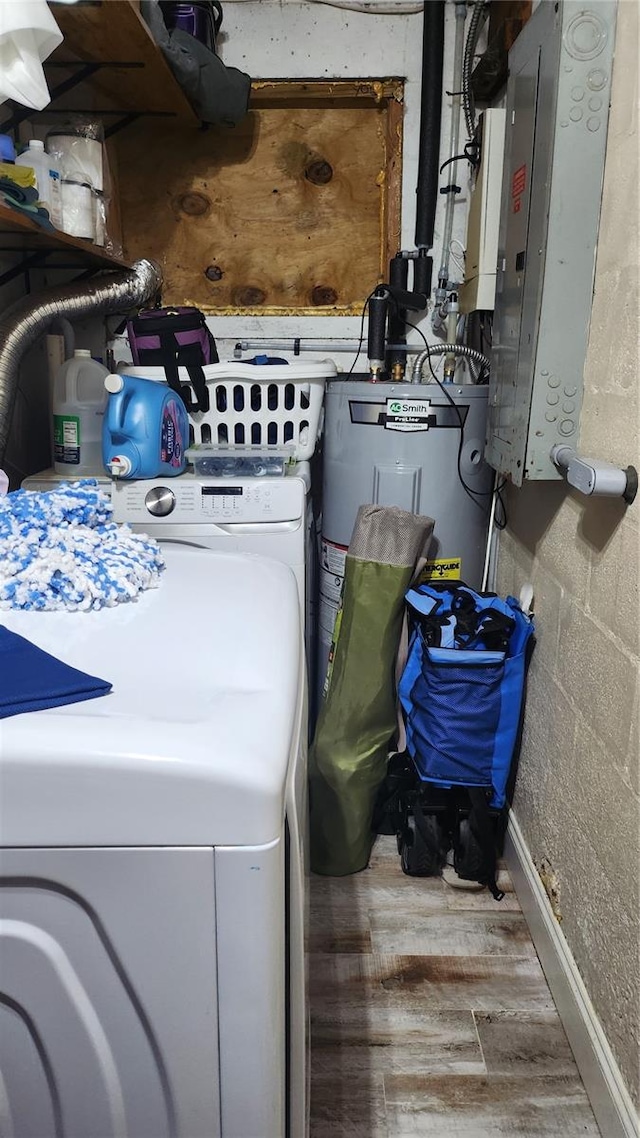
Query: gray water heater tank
x,y
397,445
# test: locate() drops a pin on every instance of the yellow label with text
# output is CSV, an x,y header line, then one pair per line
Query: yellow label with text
x,y
442,569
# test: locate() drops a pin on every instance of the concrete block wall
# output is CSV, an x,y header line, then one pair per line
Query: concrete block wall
x,y
578,791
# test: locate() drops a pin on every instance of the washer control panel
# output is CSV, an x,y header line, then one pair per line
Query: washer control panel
x,y
189,500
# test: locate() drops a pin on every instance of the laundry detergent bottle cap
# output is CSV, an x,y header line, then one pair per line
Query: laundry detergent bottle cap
x,y
146,429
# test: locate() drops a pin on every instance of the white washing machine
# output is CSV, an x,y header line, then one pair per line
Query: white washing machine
x,y
152,867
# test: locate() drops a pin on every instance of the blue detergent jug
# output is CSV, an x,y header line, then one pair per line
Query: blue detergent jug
x,y
145,430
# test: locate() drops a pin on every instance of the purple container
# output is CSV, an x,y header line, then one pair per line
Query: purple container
x,y
200,18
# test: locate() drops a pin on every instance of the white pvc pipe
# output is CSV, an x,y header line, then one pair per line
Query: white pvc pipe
x,y
307,345
454,139
378,7
487,555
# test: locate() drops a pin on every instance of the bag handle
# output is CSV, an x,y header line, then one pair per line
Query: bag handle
x,y
199,384
171,351
168,345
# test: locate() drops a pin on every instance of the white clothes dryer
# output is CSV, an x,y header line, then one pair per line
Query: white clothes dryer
x,y
152,867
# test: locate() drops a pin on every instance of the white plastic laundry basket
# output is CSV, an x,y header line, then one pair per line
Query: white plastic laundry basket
x,y
258,404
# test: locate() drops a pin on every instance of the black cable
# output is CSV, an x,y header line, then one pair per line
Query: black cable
x,y
472,494
456,158
468,105
364,312
501,523
472,153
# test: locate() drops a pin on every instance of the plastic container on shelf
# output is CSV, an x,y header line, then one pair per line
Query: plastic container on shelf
x,y
79,400
80,154
79,151
7,149
47,176
78,216
145,431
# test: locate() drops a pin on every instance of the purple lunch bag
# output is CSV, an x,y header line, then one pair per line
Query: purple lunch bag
x,y
173,338
200,18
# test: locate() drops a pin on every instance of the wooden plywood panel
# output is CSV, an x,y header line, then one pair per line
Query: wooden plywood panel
x,y
297,209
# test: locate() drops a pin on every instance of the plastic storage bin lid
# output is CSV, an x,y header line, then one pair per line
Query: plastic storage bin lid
x,y
240,461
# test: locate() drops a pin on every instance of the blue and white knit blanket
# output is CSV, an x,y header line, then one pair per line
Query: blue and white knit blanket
x,y
60,550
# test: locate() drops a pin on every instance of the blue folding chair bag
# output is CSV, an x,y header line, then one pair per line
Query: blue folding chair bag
x,y
456,701
462,705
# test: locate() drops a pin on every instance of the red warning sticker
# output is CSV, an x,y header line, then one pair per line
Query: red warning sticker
x,y
518,185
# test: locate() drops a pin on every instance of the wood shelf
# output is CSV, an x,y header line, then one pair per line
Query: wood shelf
x,y
108,33
19,234
114,32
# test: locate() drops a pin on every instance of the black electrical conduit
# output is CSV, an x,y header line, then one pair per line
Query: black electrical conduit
x,y
398,279
473,33
429,149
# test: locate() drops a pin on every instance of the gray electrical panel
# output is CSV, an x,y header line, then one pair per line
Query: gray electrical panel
x,y
556,133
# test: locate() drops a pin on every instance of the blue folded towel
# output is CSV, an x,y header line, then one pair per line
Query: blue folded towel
x,y
31,680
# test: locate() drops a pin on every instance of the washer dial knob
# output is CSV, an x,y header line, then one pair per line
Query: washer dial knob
x,y
160,501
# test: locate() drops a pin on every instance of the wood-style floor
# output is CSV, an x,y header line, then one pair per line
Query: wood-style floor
x,y
430,1014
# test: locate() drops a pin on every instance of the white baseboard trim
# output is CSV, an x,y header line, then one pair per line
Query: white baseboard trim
x,y
611,1103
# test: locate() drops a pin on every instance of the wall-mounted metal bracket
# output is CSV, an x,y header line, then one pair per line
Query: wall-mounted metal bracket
x,y
123,118
84,71
37,261
34,261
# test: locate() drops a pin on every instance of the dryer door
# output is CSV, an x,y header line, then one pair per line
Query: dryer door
x,y
108,1002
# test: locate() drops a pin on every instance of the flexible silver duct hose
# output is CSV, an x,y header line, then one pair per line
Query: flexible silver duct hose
x,y
29,318
467,67
448,350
